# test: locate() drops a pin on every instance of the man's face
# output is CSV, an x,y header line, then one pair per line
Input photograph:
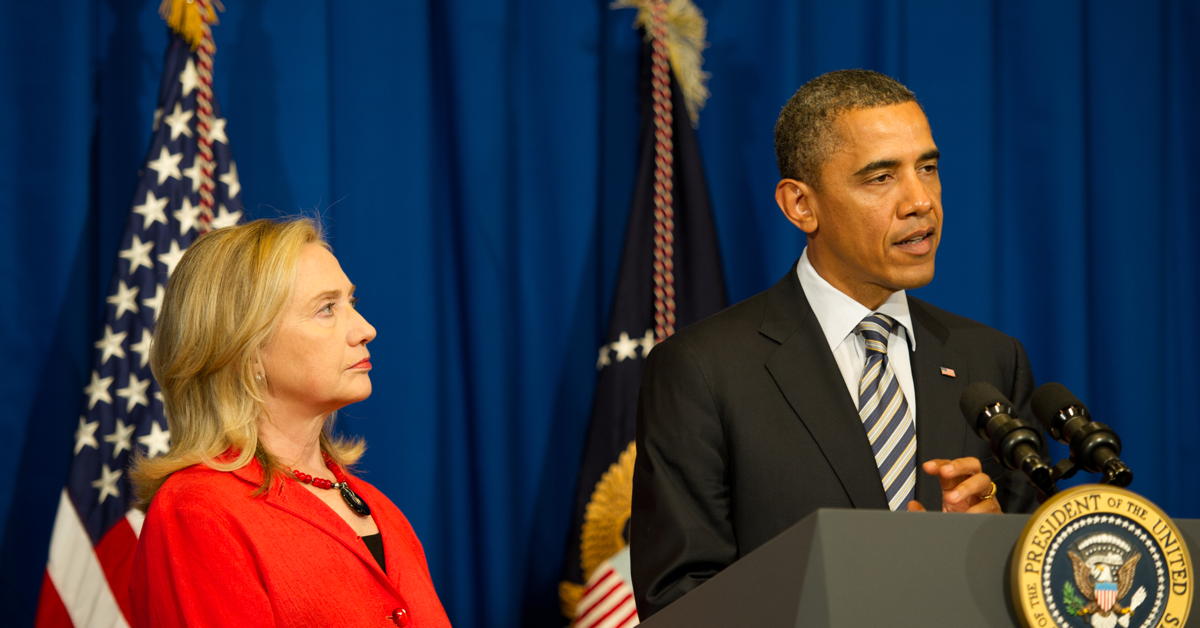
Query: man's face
x,y
877,213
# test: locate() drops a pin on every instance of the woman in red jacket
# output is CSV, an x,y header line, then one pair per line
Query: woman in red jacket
x,y
252,517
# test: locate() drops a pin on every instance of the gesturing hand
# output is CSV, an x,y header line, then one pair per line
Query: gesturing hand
x,y
965,487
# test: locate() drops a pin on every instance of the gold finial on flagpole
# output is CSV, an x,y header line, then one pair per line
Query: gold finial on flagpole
x,y
189,17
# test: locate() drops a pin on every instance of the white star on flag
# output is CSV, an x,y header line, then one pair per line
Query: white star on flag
x,y
625,348
217,132
121,438
189,78
138,254
188,216
110,344
97,390
231,179
167,165
134,393
226,218
603,360
171,257
194,173
154,302
107,483
125,299
85,435
158,441
142,347
152,210
178,121
648,342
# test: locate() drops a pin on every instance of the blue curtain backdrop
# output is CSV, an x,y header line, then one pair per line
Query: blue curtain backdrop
x,y
473,162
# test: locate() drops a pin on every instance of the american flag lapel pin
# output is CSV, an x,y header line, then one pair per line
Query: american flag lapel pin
x,y
948,372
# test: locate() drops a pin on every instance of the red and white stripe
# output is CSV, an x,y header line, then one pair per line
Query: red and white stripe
x,y
85,585
607,601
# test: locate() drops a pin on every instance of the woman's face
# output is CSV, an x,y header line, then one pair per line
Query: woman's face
x,y
317,359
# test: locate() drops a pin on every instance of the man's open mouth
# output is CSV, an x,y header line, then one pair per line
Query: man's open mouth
x,y
917,237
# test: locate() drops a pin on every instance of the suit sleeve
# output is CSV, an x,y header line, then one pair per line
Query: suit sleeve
x,y
680,529
194,568
1015,493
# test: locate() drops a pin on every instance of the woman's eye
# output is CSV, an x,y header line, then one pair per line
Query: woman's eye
x,y
327,309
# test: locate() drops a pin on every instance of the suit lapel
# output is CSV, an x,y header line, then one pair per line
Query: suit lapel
x,y
805,372
941,429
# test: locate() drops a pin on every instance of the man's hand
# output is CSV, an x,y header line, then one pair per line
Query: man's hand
x,y
965,487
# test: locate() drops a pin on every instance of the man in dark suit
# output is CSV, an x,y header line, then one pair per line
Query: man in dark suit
x,y
832,389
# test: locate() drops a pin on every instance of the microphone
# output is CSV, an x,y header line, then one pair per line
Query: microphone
x,y
1015,443
1094,446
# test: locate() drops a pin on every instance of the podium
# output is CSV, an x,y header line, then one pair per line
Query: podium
x,y
871,568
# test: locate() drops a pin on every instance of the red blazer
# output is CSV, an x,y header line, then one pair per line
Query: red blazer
x,y
211,554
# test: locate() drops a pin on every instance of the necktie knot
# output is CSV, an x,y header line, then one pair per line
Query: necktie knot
x,y
875,330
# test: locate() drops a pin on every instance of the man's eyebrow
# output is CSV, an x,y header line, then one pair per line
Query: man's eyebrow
x,y
884,164
879,164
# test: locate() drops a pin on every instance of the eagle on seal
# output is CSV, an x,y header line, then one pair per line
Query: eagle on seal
x,y
1103,589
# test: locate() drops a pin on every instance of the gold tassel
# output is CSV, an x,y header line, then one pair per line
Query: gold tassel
x,y
188,17
686,32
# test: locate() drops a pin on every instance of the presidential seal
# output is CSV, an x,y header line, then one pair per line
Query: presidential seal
x,y
1097,556
604,525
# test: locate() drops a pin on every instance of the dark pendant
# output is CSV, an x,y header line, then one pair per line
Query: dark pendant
x,y
352,500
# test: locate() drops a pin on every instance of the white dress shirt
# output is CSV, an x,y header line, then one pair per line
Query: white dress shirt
x,y
838,315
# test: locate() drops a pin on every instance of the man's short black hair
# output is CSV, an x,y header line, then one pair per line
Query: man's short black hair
x,y
804,133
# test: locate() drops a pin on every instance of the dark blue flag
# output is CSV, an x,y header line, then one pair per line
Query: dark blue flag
x,y
670,276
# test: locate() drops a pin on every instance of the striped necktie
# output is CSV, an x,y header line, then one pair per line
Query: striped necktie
x,y
885,416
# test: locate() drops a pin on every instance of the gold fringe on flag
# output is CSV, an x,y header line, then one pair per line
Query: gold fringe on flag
x,y
189,17
686,32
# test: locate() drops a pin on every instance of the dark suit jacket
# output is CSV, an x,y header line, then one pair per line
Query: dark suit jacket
x,y
745,427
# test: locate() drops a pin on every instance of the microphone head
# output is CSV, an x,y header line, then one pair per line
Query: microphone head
x,y
979,396
1052,398
976,403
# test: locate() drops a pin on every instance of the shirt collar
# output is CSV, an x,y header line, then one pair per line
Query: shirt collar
x,y
838,314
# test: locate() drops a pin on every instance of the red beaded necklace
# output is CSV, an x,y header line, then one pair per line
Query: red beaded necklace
x,y
351,498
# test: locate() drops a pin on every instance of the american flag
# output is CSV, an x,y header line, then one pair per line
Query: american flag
x,y
181,191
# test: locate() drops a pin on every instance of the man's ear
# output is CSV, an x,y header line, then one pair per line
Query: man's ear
x,y
795,200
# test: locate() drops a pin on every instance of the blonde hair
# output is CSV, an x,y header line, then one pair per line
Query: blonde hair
x,y
221,306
